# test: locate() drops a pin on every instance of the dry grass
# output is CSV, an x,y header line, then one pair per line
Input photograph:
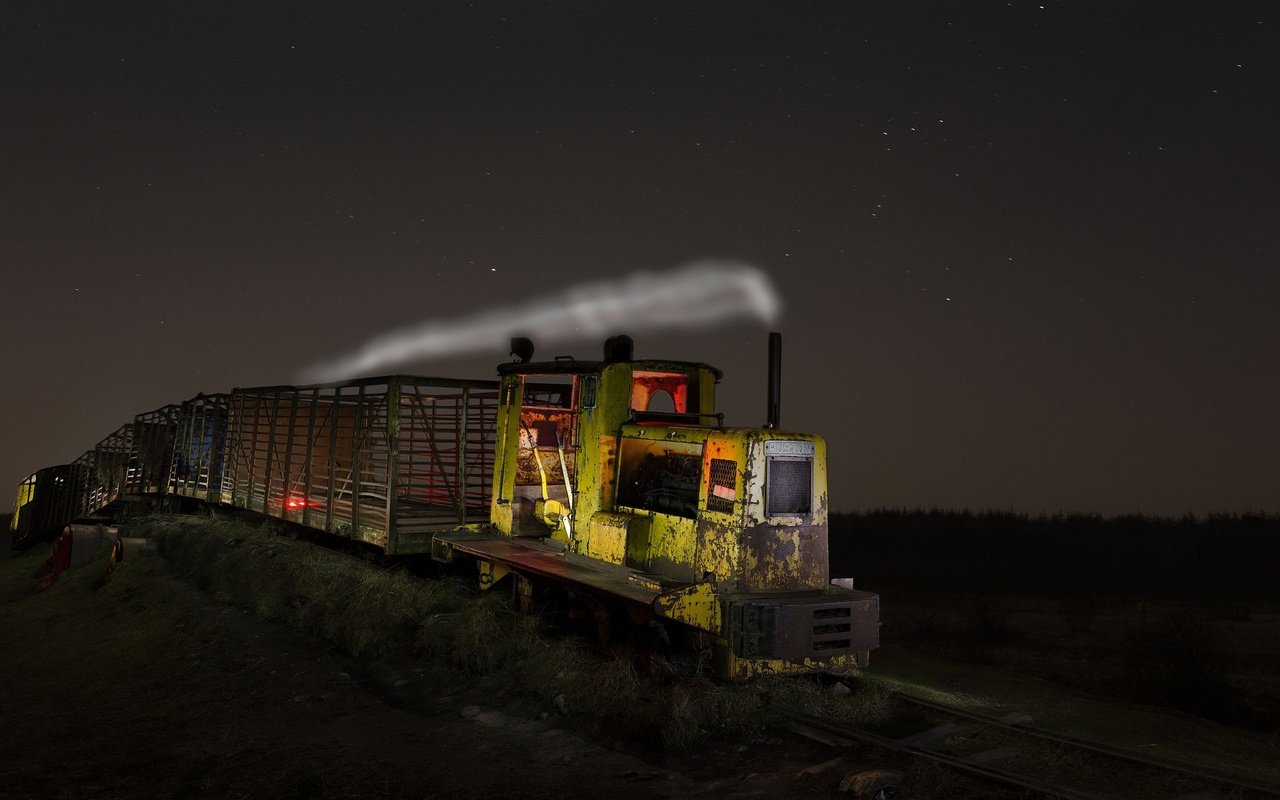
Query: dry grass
x,y
856,700
361,609
366,611
699,711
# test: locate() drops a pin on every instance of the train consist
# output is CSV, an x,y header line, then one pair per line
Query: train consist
x,y
613,480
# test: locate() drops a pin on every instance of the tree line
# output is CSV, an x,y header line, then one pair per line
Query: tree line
x,y
1218,558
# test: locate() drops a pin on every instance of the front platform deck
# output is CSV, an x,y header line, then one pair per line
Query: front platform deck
x,y
548,559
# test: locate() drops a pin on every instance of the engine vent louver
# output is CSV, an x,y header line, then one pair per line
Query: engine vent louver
x,y
797,630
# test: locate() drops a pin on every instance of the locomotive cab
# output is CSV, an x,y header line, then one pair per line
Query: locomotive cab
x,y
558,437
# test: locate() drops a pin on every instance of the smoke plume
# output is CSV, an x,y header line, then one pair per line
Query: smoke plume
x,y
697,295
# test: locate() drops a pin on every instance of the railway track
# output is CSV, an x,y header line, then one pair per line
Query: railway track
x,y
1013,752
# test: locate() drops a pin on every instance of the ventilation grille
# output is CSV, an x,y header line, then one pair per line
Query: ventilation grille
x,y
818,631
722,492
831,629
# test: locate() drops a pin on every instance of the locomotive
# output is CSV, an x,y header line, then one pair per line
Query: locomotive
x,y
613,480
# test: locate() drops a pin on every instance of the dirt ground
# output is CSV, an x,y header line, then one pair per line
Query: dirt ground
x,y
142,686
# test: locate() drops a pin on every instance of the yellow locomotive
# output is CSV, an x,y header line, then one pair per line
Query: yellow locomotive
x,y
615,476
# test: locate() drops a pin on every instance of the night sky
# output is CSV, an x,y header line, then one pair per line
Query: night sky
x,y
1029,252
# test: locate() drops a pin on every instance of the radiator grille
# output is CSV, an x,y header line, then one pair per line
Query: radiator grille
x,y
790,486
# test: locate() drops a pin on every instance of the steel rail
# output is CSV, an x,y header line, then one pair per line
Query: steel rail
x,y
999,776
1204,773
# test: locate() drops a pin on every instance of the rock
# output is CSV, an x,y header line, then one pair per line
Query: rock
x,y
873,784
470,712
841,689
401,682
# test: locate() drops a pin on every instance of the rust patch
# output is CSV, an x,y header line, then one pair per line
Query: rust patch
x,y
791,558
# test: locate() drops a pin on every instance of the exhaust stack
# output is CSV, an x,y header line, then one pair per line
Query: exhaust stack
x,y
775,380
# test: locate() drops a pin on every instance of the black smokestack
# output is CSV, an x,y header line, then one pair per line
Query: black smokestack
x,y
618,348
775,380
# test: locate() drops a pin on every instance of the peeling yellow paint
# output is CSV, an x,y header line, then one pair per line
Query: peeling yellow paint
x,y
612,536
491,572
695,605
736,668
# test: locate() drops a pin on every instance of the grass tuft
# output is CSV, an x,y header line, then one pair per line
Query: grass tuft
x,y
867,702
